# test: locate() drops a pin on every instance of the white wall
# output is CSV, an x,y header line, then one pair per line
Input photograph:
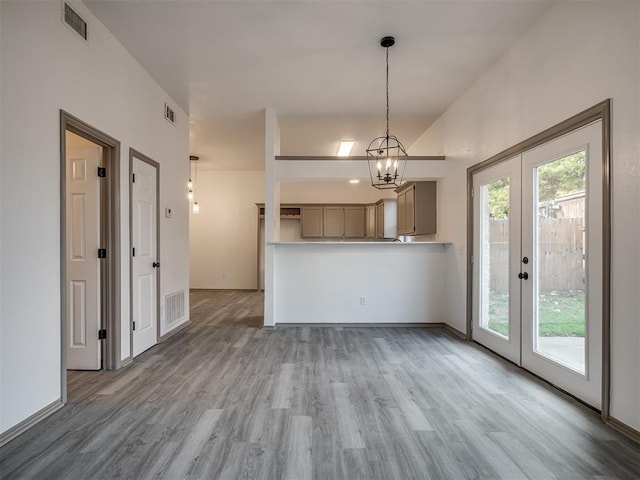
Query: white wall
x,y
47,67
224,235
401,283
577,55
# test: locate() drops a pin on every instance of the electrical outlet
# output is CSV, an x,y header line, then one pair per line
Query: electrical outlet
x,y
363,300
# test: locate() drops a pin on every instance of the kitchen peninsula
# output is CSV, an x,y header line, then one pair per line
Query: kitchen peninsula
x,y
360,282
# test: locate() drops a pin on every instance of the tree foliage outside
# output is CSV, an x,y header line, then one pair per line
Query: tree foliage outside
x,y
559,177
499,199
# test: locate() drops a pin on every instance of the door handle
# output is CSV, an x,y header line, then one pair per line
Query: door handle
x,y
523,276
156,264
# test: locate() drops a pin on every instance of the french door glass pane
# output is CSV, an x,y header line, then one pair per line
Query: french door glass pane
x,y
560,232
494,253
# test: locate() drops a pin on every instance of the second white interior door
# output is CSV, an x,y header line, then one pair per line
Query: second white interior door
x,y
145,261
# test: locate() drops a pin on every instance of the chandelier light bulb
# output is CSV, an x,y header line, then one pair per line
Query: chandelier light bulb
x,y
196,207
190,185
190,195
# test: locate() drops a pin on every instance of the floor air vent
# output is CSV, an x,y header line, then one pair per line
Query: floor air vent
x,y
174,307
75,21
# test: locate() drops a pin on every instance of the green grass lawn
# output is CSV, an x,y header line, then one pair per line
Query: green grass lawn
x,y
561,313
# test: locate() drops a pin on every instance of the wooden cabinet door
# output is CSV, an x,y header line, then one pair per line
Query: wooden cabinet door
x,y
380,220
333,222
371,221
311,222
354,222
402,207
410,210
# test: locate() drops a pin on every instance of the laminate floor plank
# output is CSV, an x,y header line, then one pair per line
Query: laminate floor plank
x,y
299,465
226,398
346,417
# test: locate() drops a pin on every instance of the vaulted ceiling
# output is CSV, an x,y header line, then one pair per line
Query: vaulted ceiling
x,y
318,63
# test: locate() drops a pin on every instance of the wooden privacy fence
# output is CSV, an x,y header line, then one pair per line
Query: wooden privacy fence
x,y
561,254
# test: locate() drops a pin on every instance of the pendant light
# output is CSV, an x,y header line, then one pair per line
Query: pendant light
x,y
192,158
193,186
386,156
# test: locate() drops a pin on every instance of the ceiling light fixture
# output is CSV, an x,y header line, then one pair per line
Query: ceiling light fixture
x,y
344,150
354,180
193,186
386,156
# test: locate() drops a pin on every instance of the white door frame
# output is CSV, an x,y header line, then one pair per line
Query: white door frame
x,y
140,156
110,239
601,111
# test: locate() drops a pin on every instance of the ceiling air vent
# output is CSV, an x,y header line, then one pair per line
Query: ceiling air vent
x,y
75,21
169,114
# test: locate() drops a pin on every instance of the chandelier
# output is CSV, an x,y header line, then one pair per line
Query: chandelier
x,y
386,156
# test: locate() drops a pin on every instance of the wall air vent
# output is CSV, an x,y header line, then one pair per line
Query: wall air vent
x,y
75,21
169,114
174,307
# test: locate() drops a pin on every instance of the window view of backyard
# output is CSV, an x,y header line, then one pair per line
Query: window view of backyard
x,y
560,235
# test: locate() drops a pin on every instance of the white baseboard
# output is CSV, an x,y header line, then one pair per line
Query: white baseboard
x,y
27,423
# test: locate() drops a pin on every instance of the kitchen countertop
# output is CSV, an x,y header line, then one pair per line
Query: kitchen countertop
x,y
359,243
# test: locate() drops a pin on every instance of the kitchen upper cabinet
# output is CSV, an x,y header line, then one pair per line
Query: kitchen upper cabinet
x,y
312,220
333,222
354,222
417,208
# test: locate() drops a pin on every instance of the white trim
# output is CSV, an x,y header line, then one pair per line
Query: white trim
x,y
30,421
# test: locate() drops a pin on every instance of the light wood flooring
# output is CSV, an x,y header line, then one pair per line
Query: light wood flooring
x,y
227,399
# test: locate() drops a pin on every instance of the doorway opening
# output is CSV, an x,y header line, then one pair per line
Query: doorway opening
x,y
89,248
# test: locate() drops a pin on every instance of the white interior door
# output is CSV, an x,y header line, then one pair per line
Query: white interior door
x,y
83,349
496,258
562,234
145,261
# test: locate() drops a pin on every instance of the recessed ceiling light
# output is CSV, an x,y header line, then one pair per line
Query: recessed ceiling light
x,y
354,180
344,150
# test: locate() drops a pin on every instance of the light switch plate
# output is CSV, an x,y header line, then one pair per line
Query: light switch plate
x,y
167,212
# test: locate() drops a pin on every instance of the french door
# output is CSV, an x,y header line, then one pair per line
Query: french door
x,y
537,261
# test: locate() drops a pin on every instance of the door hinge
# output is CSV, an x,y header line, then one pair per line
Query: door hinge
x,y
133,252
472,193
102,253
472,258
102,334
134,325
102,172
133,178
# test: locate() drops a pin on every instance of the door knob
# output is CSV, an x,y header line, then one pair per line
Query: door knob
x,y
523,276
156,264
